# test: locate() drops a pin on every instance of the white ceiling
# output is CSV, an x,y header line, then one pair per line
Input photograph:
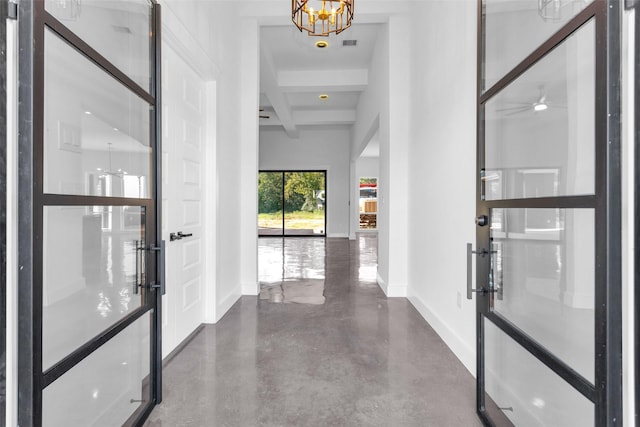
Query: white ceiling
x,y
294,72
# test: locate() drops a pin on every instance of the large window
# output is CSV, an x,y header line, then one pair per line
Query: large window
x,y
292,203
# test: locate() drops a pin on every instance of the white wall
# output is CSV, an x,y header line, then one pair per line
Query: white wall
x,y
249,96
314,150
442,155
232,136
384,108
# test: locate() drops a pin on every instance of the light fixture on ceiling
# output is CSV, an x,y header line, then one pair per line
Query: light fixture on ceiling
x,y
321,44
333,16
324,97
540,106
119,173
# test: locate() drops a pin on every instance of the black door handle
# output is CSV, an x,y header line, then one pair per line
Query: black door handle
x,y
178,236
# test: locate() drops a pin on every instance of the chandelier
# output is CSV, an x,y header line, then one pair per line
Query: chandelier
x,y
334,16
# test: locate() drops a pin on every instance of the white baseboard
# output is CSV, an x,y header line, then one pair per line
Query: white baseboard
x,y
225,305
463,351
338,235
250,288
397,291
393,291
381,283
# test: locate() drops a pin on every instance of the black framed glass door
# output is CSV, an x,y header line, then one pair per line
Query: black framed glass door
x,y
96,258
292,203
548,213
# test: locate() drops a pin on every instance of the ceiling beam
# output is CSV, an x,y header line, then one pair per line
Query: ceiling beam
x,y
324,117
277,99
333,80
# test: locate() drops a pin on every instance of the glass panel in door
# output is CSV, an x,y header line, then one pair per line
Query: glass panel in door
x,y
96,280
108,388
97,138
537,256
539,130
522,391
543,271
118,30
514,29
304,203
270,194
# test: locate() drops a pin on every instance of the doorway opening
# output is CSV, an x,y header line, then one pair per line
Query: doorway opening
x,y
368,203
292,203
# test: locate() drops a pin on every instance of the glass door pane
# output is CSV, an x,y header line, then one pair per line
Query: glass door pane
x,y
98,133
523,390
543,269
304,203
109,387
96,280
513,29
270,200
539,131
118,30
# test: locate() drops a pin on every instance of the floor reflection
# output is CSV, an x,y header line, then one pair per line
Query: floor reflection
x,y
292,270
359,359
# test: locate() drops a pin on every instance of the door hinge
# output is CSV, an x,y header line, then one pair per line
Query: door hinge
x,y
12,10
631,4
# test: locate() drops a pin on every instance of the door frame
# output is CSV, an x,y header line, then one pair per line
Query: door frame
x,y
33,19
326,201
606,393
4,15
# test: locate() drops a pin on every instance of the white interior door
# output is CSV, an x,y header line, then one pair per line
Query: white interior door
x,y
182,201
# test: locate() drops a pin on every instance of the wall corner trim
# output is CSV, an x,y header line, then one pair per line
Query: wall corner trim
x,y
250,288
226,304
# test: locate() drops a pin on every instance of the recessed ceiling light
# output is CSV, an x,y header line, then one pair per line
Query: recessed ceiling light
x,y
321,44
88,113
324,97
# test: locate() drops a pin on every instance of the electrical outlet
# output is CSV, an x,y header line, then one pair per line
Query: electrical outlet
x,y
459,300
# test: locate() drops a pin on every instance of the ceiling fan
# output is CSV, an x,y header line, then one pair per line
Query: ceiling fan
x,y
539,104
119,173
263,116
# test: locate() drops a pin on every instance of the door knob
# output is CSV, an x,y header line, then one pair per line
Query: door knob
x,y
482,220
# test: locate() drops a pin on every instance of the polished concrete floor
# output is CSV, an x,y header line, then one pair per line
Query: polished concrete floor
x,y
354,359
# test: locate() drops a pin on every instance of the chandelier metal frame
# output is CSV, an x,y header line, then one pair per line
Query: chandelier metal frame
x,y
334,19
